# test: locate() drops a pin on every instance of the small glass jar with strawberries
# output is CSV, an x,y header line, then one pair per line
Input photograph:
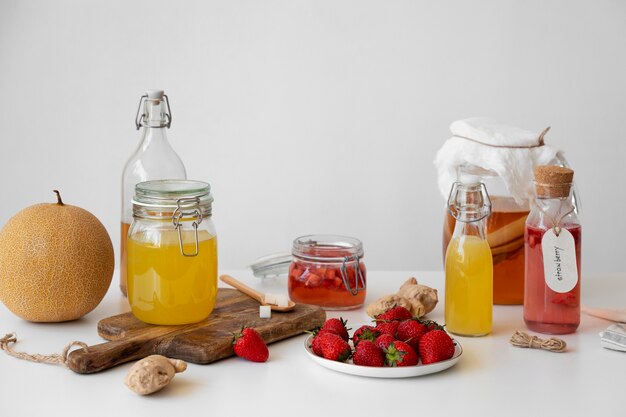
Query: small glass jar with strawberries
x,y
328,271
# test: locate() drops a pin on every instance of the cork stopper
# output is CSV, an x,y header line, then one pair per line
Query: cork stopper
x,y
553,181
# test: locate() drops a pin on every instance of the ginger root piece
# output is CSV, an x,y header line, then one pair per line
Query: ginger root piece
x,y
418,299
153,373
423,299
385,303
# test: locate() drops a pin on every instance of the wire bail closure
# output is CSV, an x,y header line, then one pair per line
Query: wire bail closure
x,y
483,204
139,118
179,213
357,273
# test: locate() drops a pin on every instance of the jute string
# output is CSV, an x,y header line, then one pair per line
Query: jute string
x,y
524,340
540,142
556,222
55,358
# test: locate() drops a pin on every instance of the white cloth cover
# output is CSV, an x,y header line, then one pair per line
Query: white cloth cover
x,y
514,165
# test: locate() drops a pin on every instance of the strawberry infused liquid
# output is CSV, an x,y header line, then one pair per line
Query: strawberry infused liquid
x,y
552,248
547,311
328,271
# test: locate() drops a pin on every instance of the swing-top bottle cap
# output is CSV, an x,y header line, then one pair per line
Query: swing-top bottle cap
x,y
155,94
553,181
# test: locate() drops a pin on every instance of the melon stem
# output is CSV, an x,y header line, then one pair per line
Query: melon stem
x,y
59,201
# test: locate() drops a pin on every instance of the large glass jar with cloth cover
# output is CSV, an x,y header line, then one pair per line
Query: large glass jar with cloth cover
x,y
503,158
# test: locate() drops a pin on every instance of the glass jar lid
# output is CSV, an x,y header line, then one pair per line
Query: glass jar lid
x,y
182,201
272,265
327,248
160,197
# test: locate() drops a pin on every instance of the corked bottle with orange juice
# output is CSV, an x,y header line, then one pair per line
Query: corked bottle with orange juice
x,y
503,158
154,159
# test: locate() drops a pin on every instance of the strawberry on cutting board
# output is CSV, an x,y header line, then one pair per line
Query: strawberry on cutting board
x,y
249,345
436,346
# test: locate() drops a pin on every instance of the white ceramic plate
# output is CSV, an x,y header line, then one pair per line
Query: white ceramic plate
x,y
384,372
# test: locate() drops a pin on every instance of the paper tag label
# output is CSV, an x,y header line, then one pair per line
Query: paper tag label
x,y
559,260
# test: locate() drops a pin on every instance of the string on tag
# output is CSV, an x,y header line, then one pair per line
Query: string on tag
x,y
55,358
524,340
556,223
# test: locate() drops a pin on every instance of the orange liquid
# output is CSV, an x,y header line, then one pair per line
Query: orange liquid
x,y
322,285
505,234
123,243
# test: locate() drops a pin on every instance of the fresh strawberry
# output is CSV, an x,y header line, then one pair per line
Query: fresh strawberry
x,y
431,325
410,332
337,326
316,343
383,341
249,345
388,327
334,347
367,354
436,346
395,313
400,354
364,333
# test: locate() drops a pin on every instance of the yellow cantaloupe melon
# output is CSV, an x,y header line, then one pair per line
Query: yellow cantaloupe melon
x,y
56,262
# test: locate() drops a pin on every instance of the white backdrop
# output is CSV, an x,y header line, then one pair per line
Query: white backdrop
x,y
311,116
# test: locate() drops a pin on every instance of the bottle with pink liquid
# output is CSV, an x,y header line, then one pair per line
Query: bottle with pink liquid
x,y
552,251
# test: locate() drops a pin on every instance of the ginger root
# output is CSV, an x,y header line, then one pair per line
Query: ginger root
x,y
153,373
418,299
385,303
423,299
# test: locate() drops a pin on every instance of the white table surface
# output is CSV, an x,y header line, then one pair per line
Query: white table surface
x,y
491,379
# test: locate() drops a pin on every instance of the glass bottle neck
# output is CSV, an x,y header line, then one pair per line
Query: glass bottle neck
x,y
155,114
475,228
154,121
153,136
469,203
554,206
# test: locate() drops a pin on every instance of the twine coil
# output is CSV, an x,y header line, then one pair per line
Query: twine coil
x,y
524,340
55,358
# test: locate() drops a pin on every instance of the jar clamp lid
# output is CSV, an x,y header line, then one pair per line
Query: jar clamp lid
x,y
178,199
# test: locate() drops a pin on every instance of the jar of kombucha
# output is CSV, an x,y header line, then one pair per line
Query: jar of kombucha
x,y
153,159
504,233
328,271
172,252
553,252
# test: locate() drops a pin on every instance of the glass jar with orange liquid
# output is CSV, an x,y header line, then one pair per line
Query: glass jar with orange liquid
x,y
154,159
172,252
504,234
468,263
328,271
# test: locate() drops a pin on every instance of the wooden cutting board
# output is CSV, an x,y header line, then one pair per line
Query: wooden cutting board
x,y
205,342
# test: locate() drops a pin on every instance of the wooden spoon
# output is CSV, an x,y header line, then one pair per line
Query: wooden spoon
x,y
259,296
